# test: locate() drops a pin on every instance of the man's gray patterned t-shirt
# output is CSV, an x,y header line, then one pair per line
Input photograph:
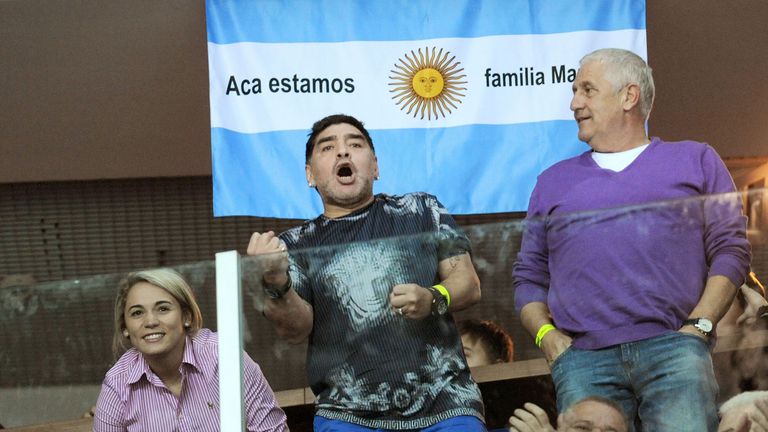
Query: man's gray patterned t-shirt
x,y
367,364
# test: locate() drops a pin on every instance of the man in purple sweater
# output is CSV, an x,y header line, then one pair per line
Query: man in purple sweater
x,y
632,253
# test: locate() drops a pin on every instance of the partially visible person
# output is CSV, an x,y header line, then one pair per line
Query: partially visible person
x,y
745,412
753,301
743,368
749,308
593,412
168,379
485,343
530,418
588,414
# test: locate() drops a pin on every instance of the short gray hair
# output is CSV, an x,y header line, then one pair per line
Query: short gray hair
x,y
605,401
624,67
742,399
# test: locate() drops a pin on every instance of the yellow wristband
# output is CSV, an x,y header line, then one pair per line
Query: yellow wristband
x,y
543,330
444,292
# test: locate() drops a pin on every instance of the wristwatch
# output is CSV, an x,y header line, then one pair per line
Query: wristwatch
x,y
439,302
703,325
276,292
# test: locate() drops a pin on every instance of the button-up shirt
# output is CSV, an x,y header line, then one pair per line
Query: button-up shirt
x,y
134,398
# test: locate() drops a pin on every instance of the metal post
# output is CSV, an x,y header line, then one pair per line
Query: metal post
x,y
229,310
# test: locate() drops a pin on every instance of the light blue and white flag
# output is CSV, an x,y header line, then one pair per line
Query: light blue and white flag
x,y
464,99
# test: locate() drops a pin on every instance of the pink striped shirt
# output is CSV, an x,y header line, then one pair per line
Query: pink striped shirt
x,y
133,398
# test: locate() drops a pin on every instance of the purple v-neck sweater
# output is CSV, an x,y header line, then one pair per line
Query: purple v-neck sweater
x,y
624,256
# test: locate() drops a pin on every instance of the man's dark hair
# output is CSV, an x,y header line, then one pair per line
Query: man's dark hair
x,y
498,343
331,120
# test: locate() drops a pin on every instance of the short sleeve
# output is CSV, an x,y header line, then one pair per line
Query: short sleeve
x,y
451,240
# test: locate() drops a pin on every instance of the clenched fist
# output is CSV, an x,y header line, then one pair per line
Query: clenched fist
x,y
272,257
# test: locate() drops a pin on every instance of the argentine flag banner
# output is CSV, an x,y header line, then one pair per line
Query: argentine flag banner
x,y
464,99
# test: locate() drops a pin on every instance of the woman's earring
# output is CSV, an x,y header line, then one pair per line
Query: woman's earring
x,y
186,324
125,333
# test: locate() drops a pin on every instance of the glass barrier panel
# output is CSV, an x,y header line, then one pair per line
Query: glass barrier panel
x,y
57,336
57,343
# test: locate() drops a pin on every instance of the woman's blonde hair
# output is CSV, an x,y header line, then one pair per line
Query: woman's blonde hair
x,y
166,279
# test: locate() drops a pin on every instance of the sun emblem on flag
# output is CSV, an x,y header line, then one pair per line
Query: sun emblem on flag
x,y
428,83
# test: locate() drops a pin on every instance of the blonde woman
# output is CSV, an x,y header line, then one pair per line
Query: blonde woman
x,y
168,376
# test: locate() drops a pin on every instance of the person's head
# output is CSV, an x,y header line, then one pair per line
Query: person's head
x,y
593,413
154,311
485,342
341,163
613,88
734,412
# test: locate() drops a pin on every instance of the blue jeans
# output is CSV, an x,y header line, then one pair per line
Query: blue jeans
x,y
455,424
666,382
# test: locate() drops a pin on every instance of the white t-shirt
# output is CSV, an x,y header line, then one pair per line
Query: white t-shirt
x,y
617,161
